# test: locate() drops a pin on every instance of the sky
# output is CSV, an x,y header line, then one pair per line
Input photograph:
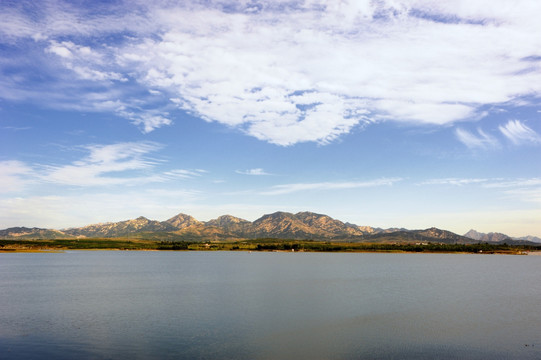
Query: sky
x,y
383,113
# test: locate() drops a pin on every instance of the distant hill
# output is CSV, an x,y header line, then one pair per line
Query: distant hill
x,y
278,225
32,233
528,238
500,238
489,237
432,235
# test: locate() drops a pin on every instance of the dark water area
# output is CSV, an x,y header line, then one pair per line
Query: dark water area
x,y
241,305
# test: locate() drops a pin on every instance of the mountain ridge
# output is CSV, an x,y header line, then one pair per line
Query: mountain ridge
x,y
303,225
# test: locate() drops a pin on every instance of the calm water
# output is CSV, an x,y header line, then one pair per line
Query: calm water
x,y
240,305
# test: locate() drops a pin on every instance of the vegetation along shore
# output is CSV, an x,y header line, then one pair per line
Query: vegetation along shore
x,y
261,245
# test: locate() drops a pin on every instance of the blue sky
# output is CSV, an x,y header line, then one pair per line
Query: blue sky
x,y
382,113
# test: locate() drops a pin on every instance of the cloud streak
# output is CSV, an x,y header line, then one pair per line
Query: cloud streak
x,y
519,133
480,141
285,72
254,172
500,183
532,194
13,176
184,174
524,190
125,163
453,181
324,186
101,165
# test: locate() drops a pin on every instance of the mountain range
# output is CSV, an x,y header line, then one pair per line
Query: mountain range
x,y
279,225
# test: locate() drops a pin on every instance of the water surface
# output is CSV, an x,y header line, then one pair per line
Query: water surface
x,y
241,305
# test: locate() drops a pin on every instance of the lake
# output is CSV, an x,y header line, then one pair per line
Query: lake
x,y
262,305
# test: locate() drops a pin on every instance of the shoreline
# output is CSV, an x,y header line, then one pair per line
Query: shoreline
x,y
59,251
262,245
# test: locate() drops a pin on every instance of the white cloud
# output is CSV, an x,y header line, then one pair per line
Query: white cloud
x,y
523,190
500,183
60,51
127,164
93,65
183,173
390,69
146,120
481,141
322,186
453,181
526,194
289,72
101,165
519,133
75,54
13,175
487,182
257,171
96,75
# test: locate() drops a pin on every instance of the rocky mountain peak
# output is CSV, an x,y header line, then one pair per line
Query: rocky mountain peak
x,y
280,224
121,228
279,215
363,229
474,234
181,221
328,224
434,232
312,218
226,220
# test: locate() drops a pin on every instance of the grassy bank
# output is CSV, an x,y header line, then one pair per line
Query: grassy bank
x,y
257,245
